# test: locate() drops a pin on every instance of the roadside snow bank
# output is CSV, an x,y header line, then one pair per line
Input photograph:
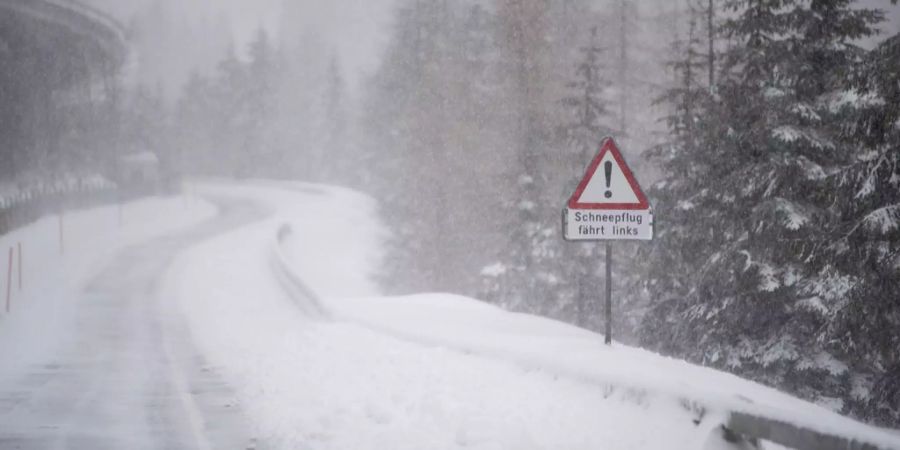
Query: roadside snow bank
x,y
336,240
40,315
536,343
532,342
308,382
484,378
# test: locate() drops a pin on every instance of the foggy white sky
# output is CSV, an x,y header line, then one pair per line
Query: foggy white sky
x,y
356,28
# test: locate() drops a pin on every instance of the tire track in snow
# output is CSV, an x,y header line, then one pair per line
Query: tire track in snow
x,y
130,376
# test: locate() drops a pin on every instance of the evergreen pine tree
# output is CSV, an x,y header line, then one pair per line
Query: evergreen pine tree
x,y
523,30
686,161
195,115
231,118
747,194
863,327
256,97
589,116
335,123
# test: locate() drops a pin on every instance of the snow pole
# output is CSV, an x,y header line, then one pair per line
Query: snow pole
x,y
120,207
62,246
9,279
608,293
20,265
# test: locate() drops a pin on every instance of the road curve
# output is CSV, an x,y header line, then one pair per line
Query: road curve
x,y
130,377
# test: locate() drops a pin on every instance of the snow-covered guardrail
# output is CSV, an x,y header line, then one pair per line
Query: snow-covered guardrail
x,y
20,205
305,298
781,432
735,410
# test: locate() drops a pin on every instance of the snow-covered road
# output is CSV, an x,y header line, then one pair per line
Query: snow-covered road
x,y
313,382
127,376
188,335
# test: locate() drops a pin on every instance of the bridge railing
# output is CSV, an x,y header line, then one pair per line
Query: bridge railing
x,y
93,12
78,17
28,205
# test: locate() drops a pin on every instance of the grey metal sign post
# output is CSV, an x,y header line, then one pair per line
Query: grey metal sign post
x,y
608,205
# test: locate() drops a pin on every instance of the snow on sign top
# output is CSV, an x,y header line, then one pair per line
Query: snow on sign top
x,y
609,183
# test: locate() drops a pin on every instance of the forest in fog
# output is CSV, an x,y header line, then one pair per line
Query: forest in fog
x,y
767,139
765,133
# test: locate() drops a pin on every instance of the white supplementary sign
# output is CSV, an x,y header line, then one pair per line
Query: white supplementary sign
x,y
608,203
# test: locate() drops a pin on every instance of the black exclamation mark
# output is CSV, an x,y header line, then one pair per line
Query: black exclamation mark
x,y
607,167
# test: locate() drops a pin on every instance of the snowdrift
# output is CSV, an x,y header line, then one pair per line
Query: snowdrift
x,y
535,343
287,311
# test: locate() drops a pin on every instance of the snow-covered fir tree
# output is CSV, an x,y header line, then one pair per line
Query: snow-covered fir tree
x,y
485,83
865,255
744,269
579,262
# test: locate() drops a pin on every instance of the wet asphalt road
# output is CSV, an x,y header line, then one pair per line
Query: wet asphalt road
x,y
130,377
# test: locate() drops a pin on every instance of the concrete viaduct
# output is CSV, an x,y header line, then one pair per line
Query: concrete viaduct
x,y
95,33
59,59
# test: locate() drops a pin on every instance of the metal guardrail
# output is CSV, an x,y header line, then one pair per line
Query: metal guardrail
x,y
742,430
37,204
793,436
306,299
78,18
22,213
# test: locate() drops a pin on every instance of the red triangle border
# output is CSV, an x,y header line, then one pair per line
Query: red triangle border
x,y
609,145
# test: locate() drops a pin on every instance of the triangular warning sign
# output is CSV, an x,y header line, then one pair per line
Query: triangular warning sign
x,y
609,183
